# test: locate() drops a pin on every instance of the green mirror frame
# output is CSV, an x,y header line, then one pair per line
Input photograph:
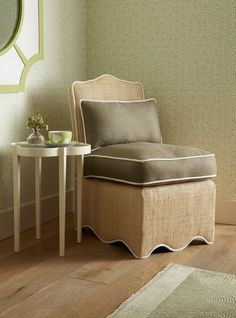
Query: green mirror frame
x,y
10,11
27,62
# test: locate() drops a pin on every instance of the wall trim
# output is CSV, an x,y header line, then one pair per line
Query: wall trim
x,y
226,212
50,210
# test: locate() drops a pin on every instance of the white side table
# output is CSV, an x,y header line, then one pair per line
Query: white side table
x,y
23,149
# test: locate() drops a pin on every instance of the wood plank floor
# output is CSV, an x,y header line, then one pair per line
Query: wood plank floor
x,y
94,278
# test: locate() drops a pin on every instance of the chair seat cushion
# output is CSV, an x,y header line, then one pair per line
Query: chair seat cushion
x,y
147,164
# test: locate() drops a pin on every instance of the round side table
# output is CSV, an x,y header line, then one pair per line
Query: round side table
x,y
23,149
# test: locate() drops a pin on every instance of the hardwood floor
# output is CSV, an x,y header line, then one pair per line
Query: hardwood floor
x,y
93,278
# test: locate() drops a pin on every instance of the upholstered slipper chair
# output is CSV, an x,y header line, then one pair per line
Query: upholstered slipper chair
x,y
136,189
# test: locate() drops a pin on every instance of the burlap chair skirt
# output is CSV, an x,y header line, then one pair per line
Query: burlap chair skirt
x,y
144,218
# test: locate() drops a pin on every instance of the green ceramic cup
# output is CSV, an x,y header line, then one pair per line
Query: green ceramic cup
x,y
60,136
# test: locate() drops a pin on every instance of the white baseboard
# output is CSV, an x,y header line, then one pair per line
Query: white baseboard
x,y
50,208
226,212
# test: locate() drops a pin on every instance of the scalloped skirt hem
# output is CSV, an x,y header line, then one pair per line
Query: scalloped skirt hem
x,y
198,237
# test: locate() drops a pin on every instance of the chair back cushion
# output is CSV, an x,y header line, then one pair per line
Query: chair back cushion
x,y
105,87
119,122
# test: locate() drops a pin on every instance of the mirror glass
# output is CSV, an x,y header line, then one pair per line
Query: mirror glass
x,y
9,19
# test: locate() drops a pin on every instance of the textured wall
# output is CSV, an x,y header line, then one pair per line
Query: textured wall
x,y
184,53
46,89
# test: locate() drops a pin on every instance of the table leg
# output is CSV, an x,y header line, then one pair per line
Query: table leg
x,y
62,200
38,180
79,173
75,202
16,180
74,194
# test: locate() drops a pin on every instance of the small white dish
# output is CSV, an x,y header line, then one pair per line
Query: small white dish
x,y
71,144
25,144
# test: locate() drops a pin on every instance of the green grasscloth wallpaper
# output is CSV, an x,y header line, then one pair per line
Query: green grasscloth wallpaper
x,y
46,89
184,53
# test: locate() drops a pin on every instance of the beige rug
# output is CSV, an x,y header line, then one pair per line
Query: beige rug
x,y
183,292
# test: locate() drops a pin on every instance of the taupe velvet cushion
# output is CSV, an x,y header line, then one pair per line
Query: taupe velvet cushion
x,y
143,163
118,122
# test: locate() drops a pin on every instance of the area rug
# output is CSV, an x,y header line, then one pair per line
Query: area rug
x,y
183,292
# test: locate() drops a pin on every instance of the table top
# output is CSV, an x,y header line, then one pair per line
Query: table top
x,y
43,150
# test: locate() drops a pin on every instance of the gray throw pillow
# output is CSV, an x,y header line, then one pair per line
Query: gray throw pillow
x,y
119,122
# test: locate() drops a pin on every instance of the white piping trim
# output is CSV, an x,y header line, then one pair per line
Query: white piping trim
x,y
150,182
96,148
117,100
159,245
150,159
